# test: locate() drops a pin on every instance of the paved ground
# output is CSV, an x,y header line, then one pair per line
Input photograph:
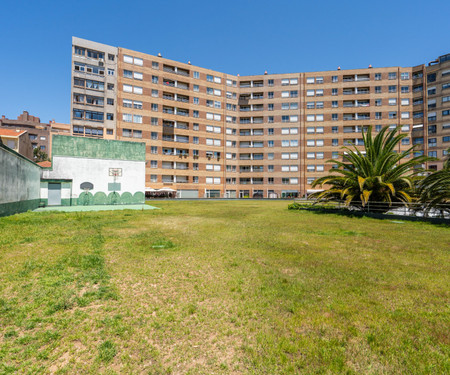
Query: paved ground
x,y
97,208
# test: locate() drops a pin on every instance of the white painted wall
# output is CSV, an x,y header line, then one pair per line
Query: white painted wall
x,y
96,171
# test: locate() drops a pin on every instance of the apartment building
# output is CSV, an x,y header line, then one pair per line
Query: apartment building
x,y
212,134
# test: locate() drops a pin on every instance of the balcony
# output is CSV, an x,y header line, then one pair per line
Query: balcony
x,y
183,72
183,98
182,85
258,83
182,112
168,96
169,69
356,116
245,84
169,110
169,82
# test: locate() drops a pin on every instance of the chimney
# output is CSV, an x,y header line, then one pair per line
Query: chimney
x,y
339,68
370,66
265,72
159,54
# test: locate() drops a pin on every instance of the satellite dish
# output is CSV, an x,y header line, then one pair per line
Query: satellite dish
x,y
86,186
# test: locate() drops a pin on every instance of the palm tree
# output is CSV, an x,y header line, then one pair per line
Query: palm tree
x,y
434,189
377,175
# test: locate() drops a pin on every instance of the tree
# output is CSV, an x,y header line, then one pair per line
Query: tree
x,y
434,189
380,174
39,155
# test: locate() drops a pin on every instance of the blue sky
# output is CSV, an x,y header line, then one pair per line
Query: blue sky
x,y
245,37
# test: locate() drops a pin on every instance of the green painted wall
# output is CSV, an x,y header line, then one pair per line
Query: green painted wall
x,y
19,182
12,208
64,145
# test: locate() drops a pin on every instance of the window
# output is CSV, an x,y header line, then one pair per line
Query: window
x,y
153,163
377,102
319,92
334,129
155,93
393,101
335,142
334,91
334,104
405,89
319,80
195,114
431,77
270,143
404,76
196,75
334,79
270,119
154,121
392,75
319,105
392,89
270,107
154,135
432,90
155,65
405,141
405,115
405,101
310,80
377,76
334,117
110,116
378,90
270,82
110,101
154,107
155,79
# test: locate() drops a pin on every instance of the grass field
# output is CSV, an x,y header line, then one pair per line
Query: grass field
x,y
235,287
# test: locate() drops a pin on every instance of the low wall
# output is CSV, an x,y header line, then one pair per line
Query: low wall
x,y
19,182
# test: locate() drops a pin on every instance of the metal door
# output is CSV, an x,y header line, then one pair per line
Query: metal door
x,y
54,194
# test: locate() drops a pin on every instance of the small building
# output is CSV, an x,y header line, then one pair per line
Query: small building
x,y
18,141
89,171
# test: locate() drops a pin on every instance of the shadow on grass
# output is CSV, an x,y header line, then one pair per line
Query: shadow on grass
x,y
375,215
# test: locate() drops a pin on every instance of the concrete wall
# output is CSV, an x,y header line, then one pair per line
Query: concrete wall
x,y
19,182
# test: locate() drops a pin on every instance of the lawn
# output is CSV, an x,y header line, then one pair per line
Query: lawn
x,y
233,287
